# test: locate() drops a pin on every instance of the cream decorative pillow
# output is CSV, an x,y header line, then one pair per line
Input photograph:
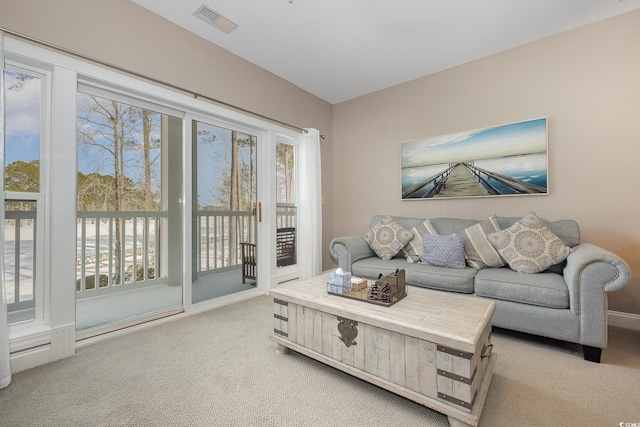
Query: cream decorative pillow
x,y
478,250
528,246
415,248
387,238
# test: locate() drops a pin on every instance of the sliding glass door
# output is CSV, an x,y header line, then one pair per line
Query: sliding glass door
x,y
225,210
129,243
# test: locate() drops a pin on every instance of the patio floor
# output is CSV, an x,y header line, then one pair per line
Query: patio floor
x,y
103,310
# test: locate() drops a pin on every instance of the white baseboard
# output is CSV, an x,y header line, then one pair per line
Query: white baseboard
x,y
27,359
40,349
624,320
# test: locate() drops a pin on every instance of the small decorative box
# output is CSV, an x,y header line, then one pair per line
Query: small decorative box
x,y
339,282
358,283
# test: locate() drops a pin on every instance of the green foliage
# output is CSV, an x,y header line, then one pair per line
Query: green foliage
x,y
97,193
151,271
90,282
22,176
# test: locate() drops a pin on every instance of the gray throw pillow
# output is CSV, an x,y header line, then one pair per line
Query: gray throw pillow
x,y
443,251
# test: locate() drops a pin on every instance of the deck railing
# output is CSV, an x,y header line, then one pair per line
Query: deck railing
x,y
104,266
20,235
120,250
286,215
117,250
219,236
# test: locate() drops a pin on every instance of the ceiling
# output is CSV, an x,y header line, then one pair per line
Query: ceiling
x,y
342,49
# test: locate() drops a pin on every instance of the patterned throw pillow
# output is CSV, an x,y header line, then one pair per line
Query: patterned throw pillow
x,y
387,238
415,248
478,250
528,246
443,251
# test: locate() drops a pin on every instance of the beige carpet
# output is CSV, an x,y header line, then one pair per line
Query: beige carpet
x,y
220,369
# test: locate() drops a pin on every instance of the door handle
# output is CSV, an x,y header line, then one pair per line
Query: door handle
x,y
259,211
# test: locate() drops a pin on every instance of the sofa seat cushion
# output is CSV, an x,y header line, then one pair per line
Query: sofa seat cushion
x,y
370,268
543,289
442,278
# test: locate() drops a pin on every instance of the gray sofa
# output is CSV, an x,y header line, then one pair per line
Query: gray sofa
x,y
567,302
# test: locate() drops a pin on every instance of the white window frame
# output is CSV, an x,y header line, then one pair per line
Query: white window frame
x,y
289,272
41,320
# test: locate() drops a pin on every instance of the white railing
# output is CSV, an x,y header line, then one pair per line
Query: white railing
x,y
286,215
114,245
219,236
118,250
20,237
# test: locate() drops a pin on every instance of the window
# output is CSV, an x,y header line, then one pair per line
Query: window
x,y
286,209
22,185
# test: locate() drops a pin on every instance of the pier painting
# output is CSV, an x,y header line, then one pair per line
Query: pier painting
x,y
497,161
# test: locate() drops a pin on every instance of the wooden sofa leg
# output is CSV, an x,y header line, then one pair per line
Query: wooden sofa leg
x,y
592,354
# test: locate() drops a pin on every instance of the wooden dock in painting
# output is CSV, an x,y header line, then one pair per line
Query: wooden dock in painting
x,y
462,183
464,179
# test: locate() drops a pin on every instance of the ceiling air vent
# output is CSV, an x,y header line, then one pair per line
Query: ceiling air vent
x,y
215,19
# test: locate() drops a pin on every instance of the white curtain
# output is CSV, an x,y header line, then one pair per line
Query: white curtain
x,y
310,206
5,367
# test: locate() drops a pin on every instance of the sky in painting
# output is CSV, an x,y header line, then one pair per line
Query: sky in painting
x,y
500,141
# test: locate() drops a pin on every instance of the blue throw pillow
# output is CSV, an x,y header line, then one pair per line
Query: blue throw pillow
x,y
443,251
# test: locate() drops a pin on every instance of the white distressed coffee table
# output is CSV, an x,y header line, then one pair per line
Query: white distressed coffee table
x,y
431,347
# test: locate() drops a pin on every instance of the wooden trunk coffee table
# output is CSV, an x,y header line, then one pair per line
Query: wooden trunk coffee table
x,y
431,347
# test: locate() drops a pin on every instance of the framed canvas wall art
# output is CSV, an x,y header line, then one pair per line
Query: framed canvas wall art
x,y
503,160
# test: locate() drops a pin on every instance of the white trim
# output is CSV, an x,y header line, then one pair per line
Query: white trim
x,y
122,95
63,341
36,350
89,334
32,340
41,289
624,320
31,358
187,212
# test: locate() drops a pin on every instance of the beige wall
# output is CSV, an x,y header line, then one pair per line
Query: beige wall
x,y
586,82
124,34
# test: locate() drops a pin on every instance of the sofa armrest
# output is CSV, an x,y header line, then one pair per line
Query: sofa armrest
x,y
590,273
347,250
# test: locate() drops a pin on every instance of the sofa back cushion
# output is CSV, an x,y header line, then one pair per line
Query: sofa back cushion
x,y
448,226
406,222
566,229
